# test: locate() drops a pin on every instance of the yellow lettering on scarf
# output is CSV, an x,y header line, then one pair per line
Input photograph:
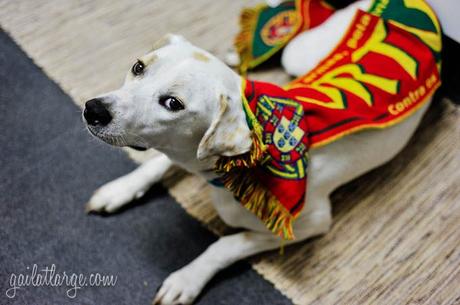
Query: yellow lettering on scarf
x,y
376,44
359,31
414,96
432,39
352,84
381,6
333,83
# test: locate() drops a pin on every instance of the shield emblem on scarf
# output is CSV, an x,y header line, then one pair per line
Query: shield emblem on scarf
x,y
287,135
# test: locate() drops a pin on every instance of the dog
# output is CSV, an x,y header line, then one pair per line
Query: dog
x,y
170,101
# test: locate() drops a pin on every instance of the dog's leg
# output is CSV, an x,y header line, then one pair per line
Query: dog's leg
x,y
184,285
123,190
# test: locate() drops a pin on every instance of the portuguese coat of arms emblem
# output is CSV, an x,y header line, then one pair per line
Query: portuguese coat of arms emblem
x,y
286,136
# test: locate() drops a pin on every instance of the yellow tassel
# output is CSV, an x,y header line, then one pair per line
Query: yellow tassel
x,y
247,160
242,42
238,176
281,252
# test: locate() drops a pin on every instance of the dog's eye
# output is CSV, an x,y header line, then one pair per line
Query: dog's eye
x,y
171,103
138,68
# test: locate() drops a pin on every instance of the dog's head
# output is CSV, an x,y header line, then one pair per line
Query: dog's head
x,y
178,99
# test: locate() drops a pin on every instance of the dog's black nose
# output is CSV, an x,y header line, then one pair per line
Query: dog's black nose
x,y
95,113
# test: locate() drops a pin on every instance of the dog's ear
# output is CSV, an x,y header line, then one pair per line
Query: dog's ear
x,y
228,135
167,40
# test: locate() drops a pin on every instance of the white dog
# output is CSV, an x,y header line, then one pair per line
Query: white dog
x,y
170,100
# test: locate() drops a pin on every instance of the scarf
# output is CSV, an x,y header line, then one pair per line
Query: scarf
x,y
385,68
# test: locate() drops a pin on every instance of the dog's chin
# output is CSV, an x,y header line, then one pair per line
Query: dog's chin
x,y
111,139
114,139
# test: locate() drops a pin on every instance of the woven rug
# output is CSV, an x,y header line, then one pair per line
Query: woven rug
x,y
396,232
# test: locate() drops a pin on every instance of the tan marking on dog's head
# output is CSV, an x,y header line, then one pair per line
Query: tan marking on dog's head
x,y
163,41
167,40
148,59
201,56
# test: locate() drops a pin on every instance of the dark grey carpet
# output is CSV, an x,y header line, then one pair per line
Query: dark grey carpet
x,y
49,167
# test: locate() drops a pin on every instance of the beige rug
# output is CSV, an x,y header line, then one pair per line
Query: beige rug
x,y
396,232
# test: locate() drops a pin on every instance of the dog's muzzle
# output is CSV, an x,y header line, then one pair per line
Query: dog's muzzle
x,y
96,114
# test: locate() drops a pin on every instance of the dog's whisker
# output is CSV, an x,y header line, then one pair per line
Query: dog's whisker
x,y
122,141
137,138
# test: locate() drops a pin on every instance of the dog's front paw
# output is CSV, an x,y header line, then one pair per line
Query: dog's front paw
x,y
181,287
113,195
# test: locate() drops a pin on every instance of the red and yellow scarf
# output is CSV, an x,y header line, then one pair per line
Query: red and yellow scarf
x,y
385,68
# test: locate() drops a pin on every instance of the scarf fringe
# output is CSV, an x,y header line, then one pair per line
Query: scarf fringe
x,y
247,160
242,42
238,177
